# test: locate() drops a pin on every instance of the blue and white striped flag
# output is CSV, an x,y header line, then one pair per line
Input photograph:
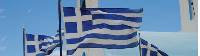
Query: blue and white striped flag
x,y
148,49
48,43
32,45
39,45
111,28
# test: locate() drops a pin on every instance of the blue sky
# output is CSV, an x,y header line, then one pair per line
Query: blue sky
x,y
40,17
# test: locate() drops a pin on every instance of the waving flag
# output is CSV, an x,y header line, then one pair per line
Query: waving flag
x,y
48,43
150,49
111,28
32,45
39,45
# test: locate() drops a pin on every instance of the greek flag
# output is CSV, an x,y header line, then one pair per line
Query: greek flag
x,y
150,49
110,28
39,45
48,43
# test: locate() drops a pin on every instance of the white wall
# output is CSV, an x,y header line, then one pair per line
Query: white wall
x,y
188,25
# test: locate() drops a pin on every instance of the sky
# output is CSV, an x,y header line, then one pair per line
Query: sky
x,y
40,17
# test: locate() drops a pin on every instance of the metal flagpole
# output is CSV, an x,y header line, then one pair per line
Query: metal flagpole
x,y
23,29
83,4
59,14
140,51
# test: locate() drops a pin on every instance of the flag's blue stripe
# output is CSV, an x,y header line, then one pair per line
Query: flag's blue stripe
x,y
116,17
30,37
93,45
87,25
153,53
31,48
50,50
112,27
71,52
56,41
107,26
143,42
85,12
102,36
162,53
115,10
43,44
69,11
144,51
43,37
153,46
71,27
40,54
111,46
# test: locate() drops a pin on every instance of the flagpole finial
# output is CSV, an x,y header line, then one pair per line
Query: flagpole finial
x,y
23,27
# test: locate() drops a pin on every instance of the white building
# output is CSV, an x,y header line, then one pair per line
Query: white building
x,y
189,15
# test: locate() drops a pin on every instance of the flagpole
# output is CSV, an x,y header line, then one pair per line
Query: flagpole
x,y
23,29
59,14
140,51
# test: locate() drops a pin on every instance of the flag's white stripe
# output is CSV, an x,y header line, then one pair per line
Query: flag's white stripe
x,y
148,47
159,54
79,20
70,19
103,41
76,18
56,38
100,31
85,18
31,43
107,21
122,14
30,54
116,22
